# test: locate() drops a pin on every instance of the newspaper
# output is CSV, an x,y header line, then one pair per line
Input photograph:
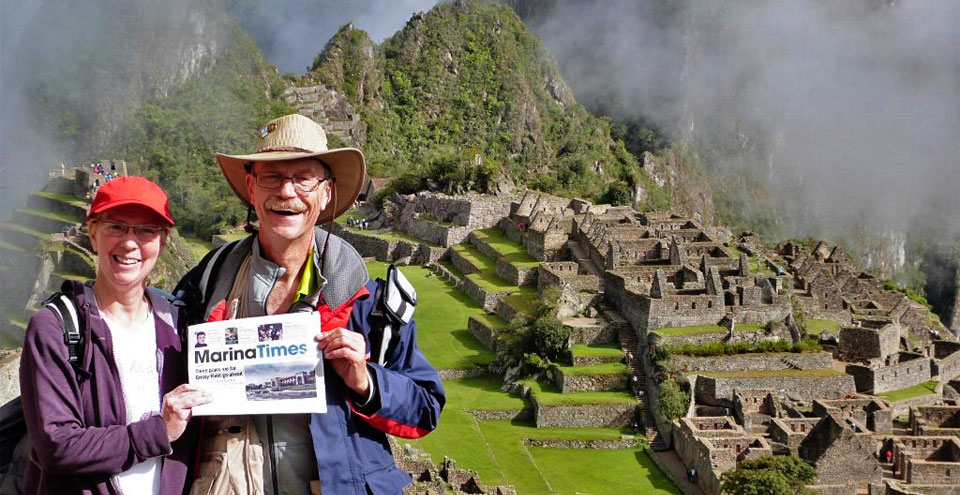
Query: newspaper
x,y
263,365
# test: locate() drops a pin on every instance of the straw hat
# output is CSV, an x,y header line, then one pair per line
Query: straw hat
x,y
292,137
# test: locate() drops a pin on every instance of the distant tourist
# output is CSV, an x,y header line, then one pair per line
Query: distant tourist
x,y
119,429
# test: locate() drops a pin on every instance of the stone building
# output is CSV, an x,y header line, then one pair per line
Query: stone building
x,y
841,449
896,371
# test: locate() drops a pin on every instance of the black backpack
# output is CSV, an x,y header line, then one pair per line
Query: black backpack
x,y
395,299
14,442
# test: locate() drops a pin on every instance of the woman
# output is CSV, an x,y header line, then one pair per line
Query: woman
x,y
113,428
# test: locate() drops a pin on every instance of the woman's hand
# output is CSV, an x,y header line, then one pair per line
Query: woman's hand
x,y
178,407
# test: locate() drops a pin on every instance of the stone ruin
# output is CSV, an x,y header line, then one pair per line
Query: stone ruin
x,y
651,272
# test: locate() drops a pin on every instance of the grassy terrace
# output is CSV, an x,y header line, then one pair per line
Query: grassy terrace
x,y
614,368
52,215
599,350
706,329
73,276
520,298
25,230
11,247
819,373
492,321
63,198
816,327
510,251
496,448
441,317
925,388
196,246
550,395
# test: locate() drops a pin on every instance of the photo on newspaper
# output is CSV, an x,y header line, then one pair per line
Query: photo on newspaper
x,y
263,365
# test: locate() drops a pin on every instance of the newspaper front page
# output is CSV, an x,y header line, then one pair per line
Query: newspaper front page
x,y
263,365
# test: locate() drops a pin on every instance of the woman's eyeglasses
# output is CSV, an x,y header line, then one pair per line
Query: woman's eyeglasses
x,y
145,233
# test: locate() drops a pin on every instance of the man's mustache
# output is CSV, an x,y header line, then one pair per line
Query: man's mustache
x,y
287,205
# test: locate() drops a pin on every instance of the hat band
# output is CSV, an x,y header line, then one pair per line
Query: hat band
x,y
293,149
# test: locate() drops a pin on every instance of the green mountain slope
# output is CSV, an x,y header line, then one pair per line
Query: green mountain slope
x,y
468,78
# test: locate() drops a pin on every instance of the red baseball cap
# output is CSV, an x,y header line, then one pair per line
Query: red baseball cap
x,y
131,190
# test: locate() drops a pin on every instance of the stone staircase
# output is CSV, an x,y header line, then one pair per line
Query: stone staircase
x,y
629,343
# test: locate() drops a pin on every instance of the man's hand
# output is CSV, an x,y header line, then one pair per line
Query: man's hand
x,y
346,351
177,408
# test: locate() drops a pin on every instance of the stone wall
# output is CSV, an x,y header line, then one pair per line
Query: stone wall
x,y
685,310
488,300
486,335
461,263
391,251
477,212
585,383
554,274
948,356
791,431
719,391
516,276
858,343
433,232
771,361
599,415
904,374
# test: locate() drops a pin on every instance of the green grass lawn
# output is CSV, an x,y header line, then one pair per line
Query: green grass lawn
x,y
492,321
820,372
707,329
25,230
52,215
694,330
510,251
614,368
495,448
197,247
816,327
925,388
441,316
550,395
597,350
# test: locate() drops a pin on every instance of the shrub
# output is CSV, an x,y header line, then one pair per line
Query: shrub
x,y
769,475
672,400
535,341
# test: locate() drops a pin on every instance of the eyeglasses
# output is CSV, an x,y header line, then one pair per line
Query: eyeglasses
x,y
303,183
145,233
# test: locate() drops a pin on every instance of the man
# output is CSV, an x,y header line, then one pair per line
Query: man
x,y
294,183
201,339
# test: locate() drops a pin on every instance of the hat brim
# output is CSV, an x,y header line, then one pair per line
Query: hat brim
x,y
346,164
135,202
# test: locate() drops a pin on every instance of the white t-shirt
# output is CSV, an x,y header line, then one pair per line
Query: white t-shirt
x,y
135,353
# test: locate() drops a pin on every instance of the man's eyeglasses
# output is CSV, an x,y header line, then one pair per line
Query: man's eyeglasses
x,y
145,233
303,183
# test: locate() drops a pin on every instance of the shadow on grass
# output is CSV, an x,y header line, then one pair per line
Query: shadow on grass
x,y
656,477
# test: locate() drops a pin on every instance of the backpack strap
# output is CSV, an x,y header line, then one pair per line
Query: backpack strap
x,y
65,308
194,290
394,303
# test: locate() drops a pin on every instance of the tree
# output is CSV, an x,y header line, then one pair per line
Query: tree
x,y
770,475
672,400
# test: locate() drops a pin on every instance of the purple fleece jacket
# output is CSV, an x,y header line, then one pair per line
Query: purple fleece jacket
x,y
79,431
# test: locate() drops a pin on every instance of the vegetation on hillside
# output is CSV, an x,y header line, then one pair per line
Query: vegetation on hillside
x,y
468,79
172,140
